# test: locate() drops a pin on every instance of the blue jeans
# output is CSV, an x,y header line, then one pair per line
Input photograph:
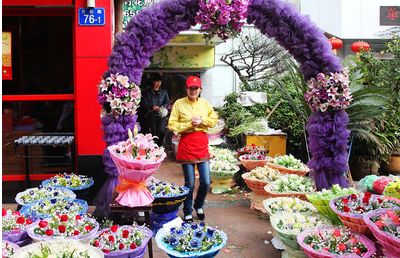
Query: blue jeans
x,y
204,172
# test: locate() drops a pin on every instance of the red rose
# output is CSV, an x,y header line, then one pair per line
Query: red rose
x,y
105,251
111,238
365,201
96,243
43,224
356,250
367,195
64,217
125,233
61,228
337,233
88,228
114,228
360,209
326,249
353,196
20,220
380,224
16,213
121,246
396,219
345,201
4,212
49,232
77,217
346,208
132,246
341,247
380,200
76,232
28,221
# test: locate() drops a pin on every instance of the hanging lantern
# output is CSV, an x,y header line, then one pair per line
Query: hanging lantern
x,y
336,43
359,46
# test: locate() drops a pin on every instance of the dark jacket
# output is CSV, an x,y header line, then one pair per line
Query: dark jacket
x,y
152,98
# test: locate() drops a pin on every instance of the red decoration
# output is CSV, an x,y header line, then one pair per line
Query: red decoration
x,y
336,43
359,46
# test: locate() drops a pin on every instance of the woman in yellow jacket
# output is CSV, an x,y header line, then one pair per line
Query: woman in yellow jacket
x,y
190,117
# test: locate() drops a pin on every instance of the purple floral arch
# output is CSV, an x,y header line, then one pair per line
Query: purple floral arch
x,y
154,26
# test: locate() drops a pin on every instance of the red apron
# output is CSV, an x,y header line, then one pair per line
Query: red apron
x,y
193,148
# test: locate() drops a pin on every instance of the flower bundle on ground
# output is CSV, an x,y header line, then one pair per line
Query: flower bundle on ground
x,y
193,237
62,226
329,92
288,205
35,194
70,181
364,202
335,240
13,220
120,238
222,18
118,96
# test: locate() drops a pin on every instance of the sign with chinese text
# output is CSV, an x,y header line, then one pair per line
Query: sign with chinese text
x,y
131,8
6,70
389,16
91,17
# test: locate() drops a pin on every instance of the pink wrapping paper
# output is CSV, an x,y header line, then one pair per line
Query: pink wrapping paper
x,y
132,179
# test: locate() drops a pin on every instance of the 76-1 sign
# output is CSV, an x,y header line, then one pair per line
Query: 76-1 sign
x,y
91,17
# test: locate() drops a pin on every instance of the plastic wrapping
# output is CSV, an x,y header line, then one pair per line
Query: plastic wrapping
x,y
379,185
9,248
172,253
17,236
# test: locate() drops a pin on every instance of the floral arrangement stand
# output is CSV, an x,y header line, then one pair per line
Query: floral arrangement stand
x,y
351,209
128,241
9,249
384,225
191,240
318,242
59,248
14,227
80,228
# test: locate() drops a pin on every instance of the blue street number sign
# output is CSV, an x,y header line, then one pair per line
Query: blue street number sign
x,y
91,17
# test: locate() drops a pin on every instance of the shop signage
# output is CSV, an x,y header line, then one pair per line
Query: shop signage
x,y
389,16
133,7
91,17
6,70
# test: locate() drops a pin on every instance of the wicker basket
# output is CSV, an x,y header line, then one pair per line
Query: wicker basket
x,y
255,185
285,170
273,194
252,164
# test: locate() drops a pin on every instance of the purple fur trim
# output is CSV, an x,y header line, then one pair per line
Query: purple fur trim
x,y
328,138
295,32
147,32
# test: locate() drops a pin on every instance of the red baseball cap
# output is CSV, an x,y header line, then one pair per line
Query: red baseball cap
x,y
193,81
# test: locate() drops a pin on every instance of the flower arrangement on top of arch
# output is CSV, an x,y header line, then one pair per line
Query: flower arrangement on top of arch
x,y
222,18
118,96
329,92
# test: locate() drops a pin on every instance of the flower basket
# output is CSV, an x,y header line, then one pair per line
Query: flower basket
x,y
59,248
285,170
287,205
32,195
351,208
250,164
80,228
195,235
221,181
290,186
51,206
257,186
325,238
9,248
122,241
386,230
167,196
134,171
289,225
259,177
273,194
14,227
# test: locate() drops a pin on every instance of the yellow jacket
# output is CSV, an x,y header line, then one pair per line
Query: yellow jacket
x,y
183,110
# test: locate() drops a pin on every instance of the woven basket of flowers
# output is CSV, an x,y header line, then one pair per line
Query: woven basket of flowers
x,y
259,177
288,164
290,186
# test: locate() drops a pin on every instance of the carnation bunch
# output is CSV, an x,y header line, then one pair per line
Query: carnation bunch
x,y
64,225
119,238
363,202
193,237
13,220
336,240
222,18
329,92
118,96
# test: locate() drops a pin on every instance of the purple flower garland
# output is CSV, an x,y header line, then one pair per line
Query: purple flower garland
x,y
327,131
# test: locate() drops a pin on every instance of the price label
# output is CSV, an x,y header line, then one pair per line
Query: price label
x,y
91,17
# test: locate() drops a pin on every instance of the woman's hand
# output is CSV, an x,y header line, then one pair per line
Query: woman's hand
x,y
196,121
